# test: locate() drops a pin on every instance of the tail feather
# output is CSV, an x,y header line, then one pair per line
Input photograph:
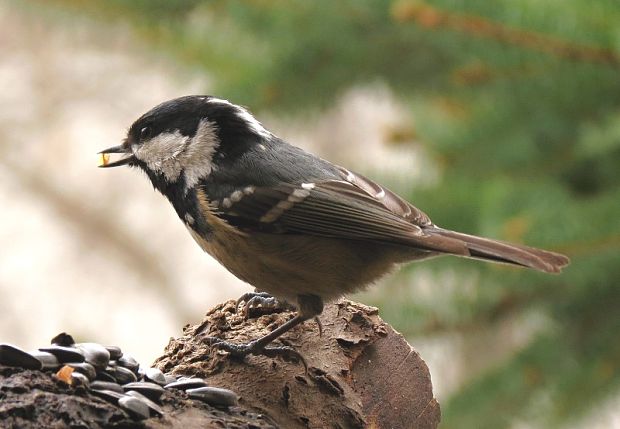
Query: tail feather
x,y
500,251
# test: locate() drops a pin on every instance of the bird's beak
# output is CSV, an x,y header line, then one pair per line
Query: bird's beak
x,y
104,156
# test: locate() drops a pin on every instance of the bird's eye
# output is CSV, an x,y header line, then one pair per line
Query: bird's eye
x,y
145,133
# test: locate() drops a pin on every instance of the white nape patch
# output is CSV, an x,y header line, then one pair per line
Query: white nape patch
x,y
275,212
189,219
243,114
308,186
197,159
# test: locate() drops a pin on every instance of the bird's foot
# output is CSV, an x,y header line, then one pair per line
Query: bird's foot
x,y
257,304
255,348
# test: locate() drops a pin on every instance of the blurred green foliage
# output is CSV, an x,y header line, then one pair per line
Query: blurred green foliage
x,y
518,103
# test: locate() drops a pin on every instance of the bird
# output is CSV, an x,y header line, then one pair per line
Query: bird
x,y
297,227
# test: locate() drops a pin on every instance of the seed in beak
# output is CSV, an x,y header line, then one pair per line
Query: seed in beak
x,y
104,159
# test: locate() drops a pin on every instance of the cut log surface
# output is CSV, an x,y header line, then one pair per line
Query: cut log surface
x,y
361,373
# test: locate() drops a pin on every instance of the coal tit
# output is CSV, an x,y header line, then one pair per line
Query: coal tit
x,y
283,220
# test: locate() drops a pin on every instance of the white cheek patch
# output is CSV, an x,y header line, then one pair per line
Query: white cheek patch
x,y
160,153
173,153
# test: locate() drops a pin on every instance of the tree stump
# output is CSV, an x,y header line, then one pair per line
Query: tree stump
x,y
361,373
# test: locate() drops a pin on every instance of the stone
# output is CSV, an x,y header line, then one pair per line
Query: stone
x,y
79,379
152,405
128,362
136,408
108,395
64,354
95,354
150,390
84,368
121,374
169,379
63,339
187,383
115,352
155,375
106,385
48,360
214,396
14,356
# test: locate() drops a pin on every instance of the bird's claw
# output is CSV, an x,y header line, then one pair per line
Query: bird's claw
x,y
258,304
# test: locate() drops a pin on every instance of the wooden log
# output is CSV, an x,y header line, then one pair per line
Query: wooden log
x,y
361,373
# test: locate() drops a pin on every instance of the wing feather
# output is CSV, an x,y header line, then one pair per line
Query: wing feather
x,y
331,208
356,208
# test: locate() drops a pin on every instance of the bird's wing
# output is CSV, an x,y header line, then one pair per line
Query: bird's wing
x,y
356,208
386,198
352,208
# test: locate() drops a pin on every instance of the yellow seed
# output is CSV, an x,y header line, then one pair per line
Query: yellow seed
x,y
104,159
64,374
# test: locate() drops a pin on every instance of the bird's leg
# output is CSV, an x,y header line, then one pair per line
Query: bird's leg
x,y
309,307
257,304
319,325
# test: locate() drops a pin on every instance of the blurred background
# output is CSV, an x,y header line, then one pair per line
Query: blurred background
x,y
497,118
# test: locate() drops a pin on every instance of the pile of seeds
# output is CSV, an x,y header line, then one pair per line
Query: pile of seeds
x,y
112,375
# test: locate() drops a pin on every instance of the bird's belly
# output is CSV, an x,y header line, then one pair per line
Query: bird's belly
x,y
287,266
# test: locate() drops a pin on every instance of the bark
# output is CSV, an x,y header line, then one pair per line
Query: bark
x,y
32,399
361,374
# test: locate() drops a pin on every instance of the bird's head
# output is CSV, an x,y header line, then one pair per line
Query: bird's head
x,y
185,139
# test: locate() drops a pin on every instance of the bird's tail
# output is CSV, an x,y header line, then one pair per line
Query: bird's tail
x,y
500,251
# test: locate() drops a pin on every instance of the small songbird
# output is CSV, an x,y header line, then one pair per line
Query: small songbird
x,y
283,220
